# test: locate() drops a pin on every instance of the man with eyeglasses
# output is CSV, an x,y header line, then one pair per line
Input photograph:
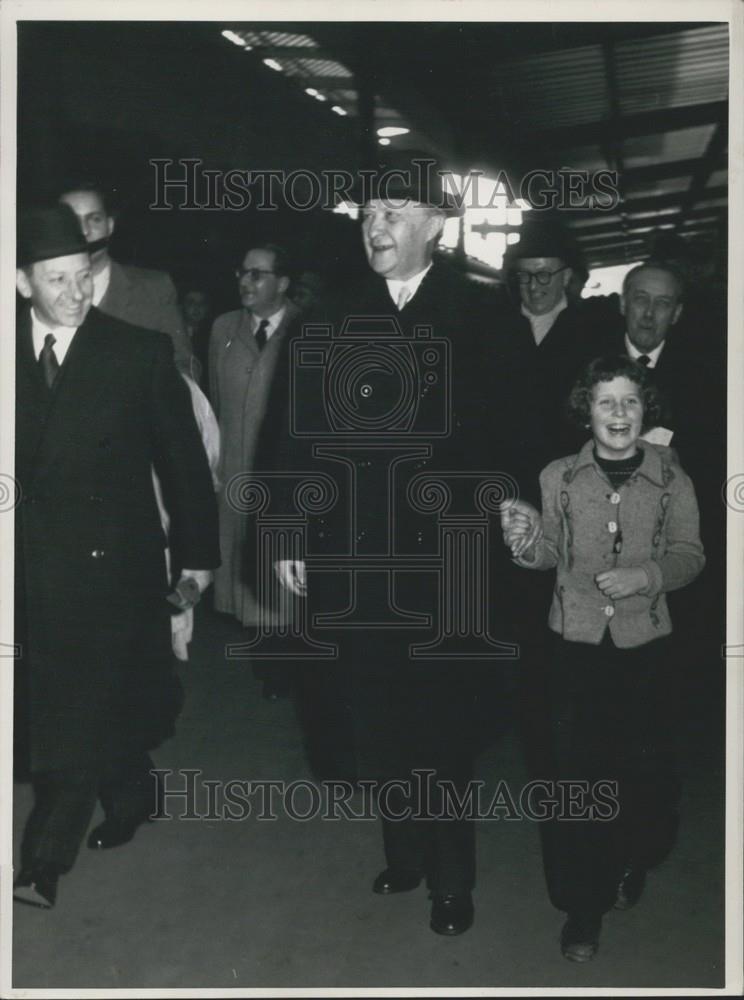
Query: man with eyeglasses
x,y
561,332
244,348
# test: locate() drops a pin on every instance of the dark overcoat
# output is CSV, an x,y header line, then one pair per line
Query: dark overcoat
x,y
92,622
376,709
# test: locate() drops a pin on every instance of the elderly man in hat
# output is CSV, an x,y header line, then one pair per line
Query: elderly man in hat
x,y
562,331
399,715
98,405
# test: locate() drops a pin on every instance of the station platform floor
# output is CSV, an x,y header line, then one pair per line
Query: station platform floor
x,y
218,903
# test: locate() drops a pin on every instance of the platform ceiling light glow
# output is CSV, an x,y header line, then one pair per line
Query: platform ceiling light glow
x,y
389,131
487,219
339,110
273,64
235,39
384,142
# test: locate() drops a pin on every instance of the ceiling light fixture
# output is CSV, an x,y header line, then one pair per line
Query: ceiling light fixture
x,y
388,131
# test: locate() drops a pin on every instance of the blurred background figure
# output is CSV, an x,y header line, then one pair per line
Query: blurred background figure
x,y
307,291
197,313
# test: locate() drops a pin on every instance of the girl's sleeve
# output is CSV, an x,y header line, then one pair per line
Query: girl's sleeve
x,y
545,552
683,557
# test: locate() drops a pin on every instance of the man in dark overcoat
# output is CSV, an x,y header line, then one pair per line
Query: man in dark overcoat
x,y
99,405
400,713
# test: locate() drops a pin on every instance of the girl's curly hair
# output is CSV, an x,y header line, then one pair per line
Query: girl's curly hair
x,y
605,369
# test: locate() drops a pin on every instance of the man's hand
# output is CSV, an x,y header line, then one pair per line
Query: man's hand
x,y
623,582
292,576
521,524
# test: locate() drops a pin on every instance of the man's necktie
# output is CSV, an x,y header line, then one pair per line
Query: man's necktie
x,y
48,360
260,334
644,359
403,296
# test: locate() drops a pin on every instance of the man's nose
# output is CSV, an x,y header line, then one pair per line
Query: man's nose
x,y
618,408
376,224
76,291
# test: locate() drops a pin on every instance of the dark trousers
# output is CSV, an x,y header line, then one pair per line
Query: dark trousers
x,y
442,848
64,802
608,718
427,726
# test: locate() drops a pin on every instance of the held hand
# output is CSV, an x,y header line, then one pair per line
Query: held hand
x,y
522,526
292,576
623,582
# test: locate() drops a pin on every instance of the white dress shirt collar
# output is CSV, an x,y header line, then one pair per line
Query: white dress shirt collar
x,y
634,353
395,286
62,335
541,325
273,321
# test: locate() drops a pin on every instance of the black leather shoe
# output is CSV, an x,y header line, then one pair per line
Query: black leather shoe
x,y
396,880
112,834
37,886
630,888
580,938
452,914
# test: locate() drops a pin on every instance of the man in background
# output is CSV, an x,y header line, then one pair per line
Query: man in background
x,y
137,295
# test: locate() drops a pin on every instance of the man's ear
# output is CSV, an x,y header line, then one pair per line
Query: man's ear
x,y
22,283
677,313
283,284
567,275
622,305
111,222
436,225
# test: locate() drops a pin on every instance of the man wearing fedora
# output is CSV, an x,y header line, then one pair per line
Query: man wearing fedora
x,y
99,404
384,713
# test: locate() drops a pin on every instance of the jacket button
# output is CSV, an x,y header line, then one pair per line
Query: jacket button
x,y
614,498
98,554
612,526
609,610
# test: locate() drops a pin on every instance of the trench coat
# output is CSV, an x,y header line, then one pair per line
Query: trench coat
x,y
95,672
241,380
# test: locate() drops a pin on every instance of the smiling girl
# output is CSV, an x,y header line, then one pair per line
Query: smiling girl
x,y
620,524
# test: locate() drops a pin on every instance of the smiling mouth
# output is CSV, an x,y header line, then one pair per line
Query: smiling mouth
x,y
618,429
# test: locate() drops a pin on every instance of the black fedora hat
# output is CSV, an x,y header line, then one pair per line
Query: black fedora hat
x,y
543,238
413,175
46,232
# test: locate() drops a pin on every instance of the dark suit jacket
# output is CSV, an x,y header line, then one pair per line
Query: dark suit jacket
x,y
90,570
576,337
148,299
693,387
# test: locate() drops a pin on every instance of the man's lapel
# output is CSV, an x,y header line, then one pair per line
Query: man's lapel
x,y
83,383
118,292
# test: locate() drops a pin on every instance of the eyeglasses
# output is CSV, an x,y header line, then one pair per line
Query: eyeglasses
x,y
541,277
254,273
